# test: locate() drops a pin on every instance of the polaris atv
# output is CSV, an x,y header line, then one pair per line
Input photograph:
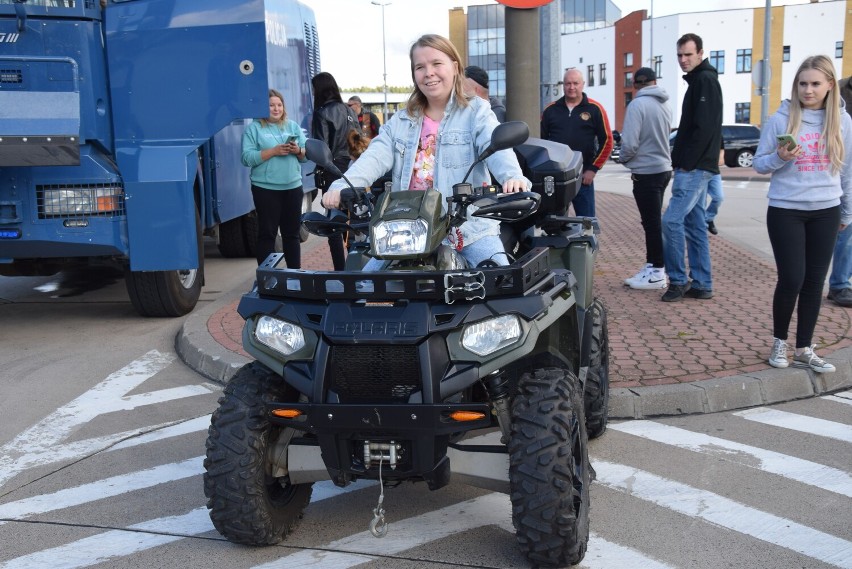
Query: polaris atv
x,y
428,369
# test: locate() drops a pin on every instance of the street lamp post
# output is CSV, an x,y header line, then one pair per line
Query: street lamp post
x,y
384,58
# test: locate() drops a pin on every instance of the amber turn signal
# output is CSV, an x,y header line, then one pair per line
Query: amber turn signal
x,y
286,413
466,415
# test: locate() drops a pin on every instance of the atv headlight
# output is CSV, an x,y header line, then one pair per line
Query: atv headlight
x,y
279,335
488,336
400,237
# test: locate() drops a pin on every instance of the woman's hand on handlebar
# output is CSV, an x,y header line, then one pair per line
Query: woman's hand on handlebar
x,y
331,199
514,185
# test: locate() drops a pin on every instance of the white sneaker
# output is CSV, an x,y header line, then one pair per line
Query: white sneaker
x,y
779,354
638,276
810,360
653,279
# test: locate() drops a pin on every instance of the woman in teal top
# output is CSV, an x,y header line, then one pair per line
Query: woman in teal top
x,y
273,148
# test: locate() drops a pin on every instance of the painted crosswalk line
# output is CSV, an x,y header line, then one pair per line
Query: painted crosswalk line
x,y
804,471
801,423
726,513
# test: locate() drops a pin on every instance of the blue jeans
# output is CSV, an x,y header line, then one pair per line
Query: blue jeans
x,y
716,195
584,201
685,227
841,270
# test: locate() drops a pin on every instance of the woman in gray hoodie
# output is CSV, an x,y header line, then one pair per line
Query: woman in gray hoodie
x,y
810,200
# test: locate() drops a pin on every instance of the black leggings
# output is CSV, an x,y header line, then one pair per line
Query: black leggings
x,y
279,210
803,243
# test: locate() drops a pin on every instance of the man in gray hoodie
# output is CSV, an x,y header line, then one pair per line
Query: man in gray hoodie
x,y
839,285
645,151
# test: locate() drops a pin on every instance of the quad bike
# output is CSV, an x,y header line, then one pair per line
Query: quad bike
x,y
428,369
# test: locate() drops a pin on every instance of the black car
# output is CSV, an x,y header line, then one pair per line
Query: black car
x,y
739,141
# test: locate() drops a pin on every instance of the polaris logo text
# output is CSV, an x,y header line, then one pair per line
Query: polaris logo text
x,y
8,38
375,328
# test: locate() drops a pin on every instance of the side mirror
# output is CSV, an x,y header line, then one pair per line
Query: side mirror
x,y
319,153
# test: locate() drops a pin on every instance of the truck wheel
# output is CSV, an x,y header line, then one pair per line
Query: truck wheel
x,y
167,293
247,504
549,471
232,242
596,396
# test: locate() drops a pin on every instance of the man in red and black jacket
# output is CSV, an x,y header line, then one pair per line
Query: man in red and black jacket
x,y
582,124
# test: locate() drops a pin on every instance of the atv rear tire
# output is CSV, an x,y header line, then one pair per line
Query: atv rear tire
x,y
596,397
247,504
549,471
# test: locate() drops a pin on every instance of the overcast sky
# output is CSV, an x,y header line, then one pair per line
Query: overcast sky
x,y
350,31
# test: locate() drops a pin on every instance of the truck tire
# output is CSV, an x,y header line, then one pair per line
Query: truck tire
x,y
549,471
167,293
596,395
247,505
232,243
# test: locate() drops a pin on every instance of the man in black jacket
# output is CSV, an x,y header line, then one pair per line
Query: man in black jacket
x,y
695,159
582,124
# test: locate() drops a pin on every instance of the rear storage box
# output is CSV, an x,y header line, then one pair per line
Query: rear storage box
x,y
555,171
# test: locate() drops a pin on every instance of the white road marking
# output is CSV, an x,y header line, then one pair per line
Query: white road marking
x,y
804,471
801,423
176,430
106,488
136,538
45,442
842,397
726,513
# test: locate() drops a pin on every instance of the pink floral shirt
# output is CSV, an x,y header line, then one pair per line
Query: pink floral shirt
x,y
424,162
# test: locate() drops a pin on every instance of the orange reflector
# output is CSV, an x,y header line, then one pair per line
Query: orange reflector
x,y
286,413
466,415
107,203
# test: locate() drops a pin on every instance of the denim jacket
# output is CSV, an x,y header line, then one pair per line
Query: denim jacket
x,y
462,135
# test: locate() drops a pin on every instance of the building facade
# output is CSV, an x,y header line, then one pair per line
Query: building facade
x,y
733,41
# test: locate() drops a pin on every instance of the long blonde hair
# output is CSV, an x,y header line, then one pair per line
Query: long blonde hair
x,y
831,136
265,121
417,101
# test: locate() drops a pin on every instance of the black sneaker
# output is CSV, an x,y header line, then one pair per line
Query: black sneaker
x,y
711,227
698,293
841,296
675,293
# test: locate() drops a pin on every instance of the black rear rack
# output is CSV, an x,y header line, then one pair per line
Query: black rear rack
x,y
530,273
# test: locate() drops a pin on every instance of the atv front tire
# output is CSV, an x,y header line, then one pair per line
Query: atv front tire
x,y
247,504
596,396
549,471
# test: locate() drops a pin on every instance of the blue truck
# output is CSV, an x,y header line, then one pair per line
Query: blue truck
x,y
120,132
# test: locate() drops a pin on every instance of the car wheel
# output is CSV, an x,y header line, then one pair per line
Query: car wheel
x,y
745,158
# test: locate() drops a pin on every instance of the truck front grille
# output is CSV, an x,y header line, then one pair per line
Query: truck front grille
x,y
374,374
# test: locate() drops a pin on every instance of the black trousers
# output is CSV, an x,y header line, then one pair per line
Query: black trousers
x,y
648,191
279,210
803,243
335,243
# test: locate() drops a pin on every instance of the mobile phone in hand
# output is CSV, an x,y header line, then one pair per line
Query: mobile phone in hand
x,y
292,140
788,140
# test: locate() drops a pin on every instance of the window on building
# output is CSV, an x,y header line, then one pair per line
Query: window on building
x,y
591,74
658,66
717,60
628,79
628,59
785,55
628,96
743,61
602,73
838,49
742,113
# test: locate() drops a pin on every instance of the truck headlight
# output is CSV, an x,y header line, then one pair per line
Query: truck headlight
x,y
279,335
65,201
488,336
400,237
